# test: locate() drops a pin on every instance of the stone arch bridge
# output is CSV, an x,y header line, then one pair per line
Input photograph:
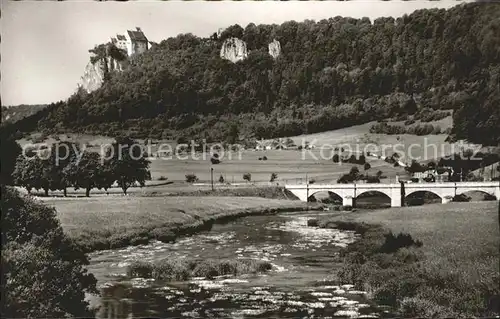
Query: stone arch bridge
x,y
396,192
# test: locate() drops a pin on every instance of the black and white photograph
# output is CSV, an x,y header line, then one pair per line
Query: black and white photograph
x,y
250,159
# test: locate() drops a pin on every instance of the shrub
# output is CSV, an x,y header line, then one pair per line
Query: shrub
x,y
214,160
414,201
372,179
489,197
191,178
461,198
183,269
264,158
162,178
312,222
414,307
430,179
221,179
346,179
393,243
274,176
38,257
354,171
140,269
247,177
367,166
8,157
336,158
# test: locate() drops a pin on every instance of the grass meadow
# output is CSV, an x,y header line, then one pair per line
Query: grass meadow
x,y
291,166
453,274
117,221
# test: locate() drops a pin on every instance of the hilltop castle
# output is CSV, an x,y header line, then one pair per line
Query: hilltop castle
x,y
133,41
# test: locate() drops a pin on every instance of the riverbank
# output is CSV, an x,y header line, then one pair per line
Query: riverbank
x,y
271,192
114,222
453,273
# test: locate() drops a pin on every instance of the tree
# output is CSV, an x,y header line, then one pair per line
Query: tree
x,y
289,142
105,176
415,167
363,72
336,158
84,174
233,133
215,159
62,154
221,179
431,165
43,272
362,159
247,177
367,166
8,157
129,163
35,173
25,173
274,176
354,171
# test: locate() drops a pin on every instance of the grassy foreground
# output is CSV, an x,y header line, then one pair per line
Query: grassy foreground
x,y
111,222
453,274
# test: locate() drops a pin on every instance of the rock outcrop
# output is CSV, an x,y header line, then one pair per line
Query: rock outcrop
x,y
274,49
95,73
234,50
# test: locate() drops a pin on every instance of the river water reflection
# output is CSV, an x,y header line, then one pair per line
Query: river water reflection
x,y
301,284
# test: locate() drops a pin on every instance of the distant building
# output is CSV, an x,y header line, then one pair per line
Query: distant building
x,y
134,42
444,177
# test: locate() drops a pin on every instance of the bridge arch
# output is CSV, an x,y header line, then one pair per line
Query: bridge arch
x,y
423,196
332,195
385,192
374,199
417,191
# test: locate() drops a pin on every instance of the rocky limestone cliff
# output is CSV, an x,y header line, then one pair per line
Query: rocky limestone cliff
x,y
234,50
274,49
94,73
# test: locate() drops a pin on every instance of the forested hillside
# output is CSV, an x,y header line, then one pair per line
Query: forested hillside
x,y
330,74
12,114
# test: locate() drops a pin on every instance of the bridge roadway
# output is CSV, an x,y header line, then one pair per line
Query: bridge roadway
x,y
396,192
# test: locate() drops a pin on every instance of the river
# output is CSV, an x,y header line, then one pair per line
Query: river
x,y
301,284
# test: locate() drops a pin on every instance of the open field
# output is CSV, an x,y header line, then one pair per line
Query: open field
x,y
457,273
109,222
357,137
459,234
291,166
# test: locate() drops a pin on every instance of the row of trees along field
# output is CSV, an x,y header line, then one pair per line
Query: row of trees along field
x,y
332,73
66,165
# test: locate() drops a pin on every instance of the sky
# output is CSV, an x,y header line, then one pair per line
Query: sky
x,y
44,45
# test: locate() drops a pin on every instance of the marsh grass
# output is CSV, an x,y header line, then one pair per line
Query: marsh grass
x,y
445,265
183,269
